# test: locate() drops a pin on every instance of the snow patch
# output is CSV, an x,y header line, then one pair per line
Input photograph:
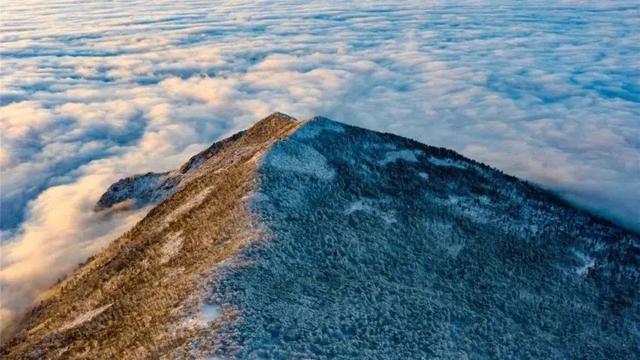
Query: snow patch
x,y
83,318
364,205
194,201
171,247
204,315
359,205
406,155
423,175
210,312
587,263
475,209
447,162
299,158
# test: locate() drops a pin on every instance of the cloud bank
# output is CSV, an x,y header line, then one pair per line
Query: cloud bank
x,y
91,92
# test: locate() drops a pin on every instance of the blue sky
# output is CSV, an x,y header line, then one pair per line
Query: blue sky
x,y
90,92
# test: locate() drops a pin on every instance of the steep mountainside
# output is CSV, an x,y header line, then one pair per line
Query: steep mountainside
x,y
320,240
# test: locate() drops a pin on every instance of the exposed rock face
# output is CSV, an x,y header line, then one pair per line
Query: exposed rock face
x,y
320,240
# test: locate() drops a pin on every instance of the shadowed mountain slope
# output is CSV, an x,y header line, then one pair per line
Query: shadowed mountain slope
x,y
320,240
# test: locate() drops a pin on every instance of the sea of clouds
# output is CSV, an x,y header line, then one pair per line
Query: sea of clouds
x,y
93,91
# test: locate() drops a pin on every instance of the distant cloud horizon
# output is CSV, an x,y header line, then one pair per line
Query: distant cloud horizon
x,y
92,92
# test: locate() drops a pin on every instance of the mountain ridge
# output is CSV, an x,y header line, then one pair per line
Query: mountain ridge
x,y
317,239
152,188
171,179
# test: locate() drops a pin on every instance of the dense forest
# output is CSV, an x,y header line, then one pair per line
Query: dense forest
x,y
382,247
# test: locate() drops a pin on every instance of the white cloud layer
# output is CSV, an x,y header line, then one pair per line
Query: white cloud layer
x,y
92,91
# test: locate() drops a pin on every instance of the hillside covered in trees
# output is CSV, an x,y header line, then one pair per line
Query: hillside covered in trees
x,y
320,240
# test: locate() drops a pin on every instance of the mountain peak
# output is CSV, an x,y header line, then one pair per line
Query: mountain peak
x,y
318,239
274,121
272,124
280,116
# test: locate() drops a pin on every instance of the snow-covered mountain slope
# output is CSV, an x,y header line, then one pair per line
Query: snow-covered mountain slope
x,y
320,240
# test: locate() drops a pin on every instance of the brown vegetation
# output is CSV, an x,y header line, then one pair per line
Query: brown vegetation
x,y
130,300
